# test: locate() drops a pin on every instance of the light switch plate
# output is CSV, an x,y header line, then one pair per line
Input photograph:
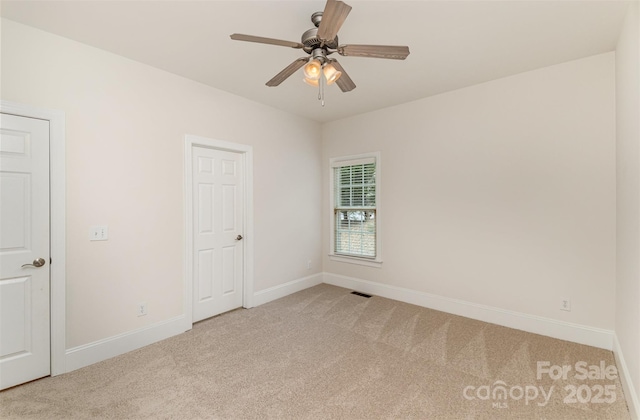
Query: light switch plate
x,y
99,233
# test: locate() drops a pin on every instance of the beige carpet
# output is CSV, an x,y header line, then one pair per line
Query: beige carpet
x,y
324,353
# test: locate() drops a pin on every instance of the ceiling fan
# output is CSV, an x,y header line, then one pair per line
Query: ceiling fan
x,y
322,41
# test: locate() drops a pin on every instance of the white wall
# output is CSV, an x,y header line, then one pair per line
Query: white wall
x,y
125,125
501,194
628,195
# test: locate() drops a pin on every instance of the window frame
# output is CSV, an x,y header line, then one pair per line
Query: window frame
x,y
347,161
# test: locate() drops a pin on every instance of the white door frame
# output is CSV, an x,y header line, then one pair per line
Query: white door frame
x,y
57,228
190,141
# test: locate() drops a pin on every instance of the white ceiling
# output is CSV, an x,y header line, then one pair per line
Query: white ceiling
x,y
453,44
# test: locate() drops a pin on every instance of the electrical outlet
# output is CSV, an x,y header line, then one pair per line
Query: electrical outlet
x,y
309,265
565,305
99,233
142,308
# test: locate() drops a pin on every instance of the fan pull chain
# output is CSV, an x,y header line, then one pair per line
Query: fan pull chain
x,y
321,93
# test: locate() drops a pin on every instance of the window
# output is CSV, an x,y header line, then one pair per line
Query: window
x,y
355,218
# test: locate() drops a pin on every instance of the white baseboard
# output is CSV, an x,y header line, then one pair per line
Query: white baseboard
x,y
282,290
88,354
582,334
630,393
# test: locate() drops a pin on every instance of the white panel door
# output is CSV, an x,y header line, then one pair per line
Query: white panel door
x,y
24,250
218,203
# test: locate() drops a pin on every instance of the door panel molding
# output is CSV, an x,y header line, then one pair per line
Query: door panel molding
x,y
192,141
56,120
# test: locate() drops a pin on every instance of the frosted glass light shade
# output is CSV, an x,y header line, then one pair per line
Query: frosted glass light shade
x,y
331,74
311,82
312,70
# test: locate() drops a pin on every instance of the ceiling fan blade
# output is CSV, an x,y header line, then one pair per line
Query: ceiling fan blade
x,y
376,51
344,82
334,15
287,71
263,40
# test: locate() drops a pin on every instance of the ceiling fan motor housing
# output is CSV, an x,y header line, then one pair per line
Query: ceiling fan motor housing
x,y
311,41
310,37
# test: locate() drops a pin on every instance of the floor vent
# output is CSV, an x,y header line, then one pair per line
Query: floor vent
x,y
361,294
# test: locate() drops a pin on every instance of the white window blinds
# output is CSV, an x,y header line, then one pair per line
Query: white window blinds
x,y
355,208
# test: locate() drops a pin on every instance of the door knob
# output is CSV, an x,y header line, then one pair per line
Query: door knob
x,y
239,237
38,262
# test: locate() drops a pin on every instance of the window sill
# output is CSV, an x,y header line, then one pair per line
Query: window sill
x,y
356,260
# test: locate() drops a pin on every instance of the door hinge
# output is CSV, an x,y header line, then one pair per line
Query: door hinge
x,y
50,261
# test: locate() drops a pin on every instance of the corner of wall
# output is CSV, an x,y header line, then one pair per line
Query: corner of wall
x,y
630,393
285,289
627,312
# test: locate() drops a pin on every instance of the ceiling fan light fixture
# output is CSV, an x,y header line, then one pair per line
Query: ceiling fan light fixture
x,y
331,74
321,41
312,69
